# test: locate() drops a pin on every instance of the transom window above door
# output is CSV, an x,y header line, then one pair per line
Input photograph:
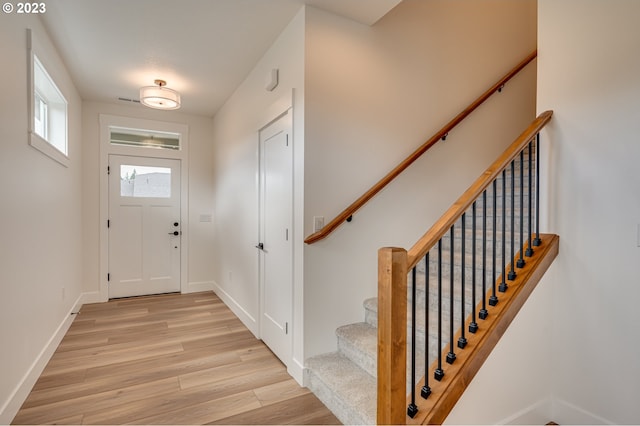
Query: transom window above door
x,y
144,138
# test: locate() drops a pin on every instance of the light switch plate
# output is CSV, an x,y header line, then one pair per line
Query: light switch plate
x,y
318,223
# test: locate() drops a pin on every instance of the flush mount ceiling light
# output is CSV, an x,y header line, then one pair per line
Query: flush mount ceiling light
x,y
159,96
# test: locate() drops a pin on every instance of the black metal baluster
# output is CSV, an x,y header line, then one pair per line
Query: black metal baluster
x,y
503,285
537,241
473,326
521,261
426,389
462,341
483,312
451,356
438,374
512,272
529,251
493,300
412,409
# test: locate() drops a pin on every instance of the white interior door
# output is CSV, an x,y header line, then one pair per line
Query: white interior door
x,y
144,226
276,248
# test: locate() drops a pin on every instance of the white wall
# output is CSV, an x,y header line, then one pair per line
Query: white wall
x,y
589,74
41,216
235,157
201,202
514,384
578,337
372,96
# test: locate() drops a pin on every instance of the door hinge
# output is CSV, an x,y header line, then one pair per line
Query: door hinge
x,y
286,328
287,139
286,234
108,223
108,170
108,277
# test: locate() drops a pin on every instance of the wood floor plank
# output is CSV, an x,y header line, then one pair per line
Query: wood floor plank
x,y
278,392
126,354
124,377
43,414
57,380
212,375
69,420
124,327
170,364
205,412
166,359
206,393
302,409
82,343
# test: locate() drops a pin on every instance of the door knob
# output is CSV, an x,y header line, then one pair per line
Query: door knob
x,y
174,233
260,246
175,224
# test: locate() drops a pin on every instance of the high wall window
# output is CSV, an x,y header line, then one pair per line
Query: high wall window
x,y
48,112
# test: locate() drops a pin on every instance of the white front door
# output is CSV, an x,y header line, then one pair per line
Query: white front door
x,y
144,226
276,248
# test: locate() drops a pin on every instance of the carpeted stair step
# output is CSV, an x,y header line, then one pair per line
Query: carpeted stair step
x,y
359,343
345,388
371,318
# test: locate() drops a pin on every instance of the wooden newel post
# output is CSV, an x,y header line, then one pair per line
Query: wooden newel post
x,y
392,335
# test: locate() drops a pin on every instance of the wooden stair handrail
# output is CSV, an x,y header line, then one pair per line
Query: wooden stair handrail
x,y
442,225
442,133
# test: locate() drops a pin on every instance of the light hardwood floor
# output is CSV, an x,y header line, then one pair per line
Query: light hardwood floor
x,y
168,359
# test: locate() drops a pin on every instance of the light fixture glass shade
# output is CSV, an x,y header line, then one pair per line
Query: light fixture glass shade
x,y
159,97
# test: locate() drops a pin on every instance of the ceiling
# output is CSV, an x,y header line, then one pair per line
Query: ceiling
x,y
203,48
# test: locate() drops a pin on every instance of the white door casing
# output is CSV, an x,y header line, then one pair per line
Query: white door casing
x,y
144,226
108,122
276,239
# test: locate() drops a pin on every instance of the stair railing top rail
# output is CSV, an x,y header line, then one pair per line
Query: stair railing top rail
x,y
442,225
440,135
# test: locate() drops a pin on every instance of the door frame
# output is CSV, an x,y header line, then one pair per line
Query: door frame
x,y
291,99
261,185
106,149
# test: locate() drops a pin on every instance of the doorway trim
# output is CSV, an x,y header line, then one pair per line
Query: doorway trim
x,y
182,154
293,102
290,234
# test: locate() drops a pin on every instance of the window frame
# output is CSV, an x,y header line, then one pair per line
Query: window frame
x,y
57,107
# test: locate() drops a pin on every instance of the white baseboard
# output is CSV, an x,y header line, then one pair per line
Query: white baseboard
x,y
539,413
21,392
247,319
197,287
296,370
566,413
90,297
556,410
